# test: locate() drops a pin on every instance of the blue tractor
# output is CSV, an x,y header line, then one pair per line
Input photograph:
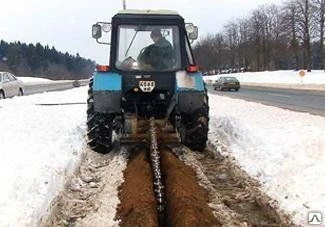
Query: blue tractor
x,y
151,74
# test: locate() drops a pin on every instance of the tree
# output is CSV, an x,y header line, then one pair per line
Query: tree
x,y
305,29
319,18
38,60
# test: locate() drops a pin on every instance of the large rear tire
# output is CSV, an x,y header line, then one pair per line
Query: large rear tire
x,y
195,127
194,130
100,126
2,95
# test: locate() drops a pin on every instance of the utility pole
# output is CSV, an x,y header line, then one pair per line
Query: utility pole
x,y
124,5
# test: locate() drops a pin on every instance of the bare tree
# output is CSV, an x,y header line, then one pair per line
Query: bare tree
x,y
304,26
256,36
290,26
244,44
232,42
272,37
210,52
319,18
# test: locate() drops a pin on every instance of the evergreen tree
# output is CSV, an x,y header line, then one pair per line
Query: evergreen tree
x,y
36,60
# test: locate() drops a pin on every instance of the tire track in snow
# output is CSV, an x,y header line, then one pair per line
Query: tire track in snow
x,y
90,196
235,197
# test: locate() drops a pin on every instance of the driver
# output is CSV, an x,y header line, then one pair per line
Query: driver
x,y
159,55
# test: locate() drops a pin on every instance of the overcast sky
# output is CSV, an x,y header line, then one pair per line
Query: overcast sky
x,y
66,24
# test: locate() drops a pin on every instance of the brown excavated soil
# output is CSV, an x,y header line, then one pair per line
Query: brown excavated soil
x,y
187,202
138,205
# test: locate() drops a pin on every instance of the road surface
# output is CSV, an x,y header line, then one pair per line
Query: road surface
x,y
297,100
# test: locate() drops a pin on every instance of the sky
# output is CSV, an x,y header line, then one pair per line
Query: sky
x,y
286,147
66,25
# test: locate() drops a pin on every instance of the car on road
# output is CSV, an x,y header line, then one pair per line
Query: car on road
x,y
226,83
10,86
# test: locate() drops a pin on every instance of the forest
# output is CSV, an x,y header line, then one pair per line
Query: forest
x,y
42,61
272,37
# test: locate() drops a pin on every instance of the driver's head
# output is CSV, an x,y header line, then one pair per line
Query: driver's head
x,y
155,34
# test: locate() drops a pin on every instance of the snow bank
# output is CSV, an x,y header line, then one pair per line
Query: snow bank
x,y
284,150
33,79
39,145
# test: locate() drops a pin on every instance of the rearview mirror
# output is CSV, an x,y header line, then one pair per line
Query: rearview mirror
x,y
192,31
96,31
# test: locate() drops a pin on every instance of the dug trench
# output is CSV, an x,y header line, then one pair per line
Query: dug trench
x,y
201,189
186,203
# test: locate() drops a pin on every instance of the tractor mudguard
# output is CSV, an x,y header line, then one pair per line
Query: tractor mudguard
x,y
107,89
190,91
189,102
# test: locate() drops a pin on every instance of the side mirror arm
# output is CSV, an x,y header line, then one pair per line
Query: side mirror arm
x,y
97,32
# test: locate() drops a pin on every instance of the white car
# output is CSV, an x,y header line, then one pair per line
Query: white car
x,y
10,86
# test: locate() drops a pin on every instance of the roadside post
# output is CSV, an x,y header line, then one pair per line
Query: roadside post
x,y
302,73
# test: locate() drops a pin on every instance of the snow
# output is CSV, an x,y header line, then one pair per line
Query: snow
x,y
33,79
40,146
112,177
284,150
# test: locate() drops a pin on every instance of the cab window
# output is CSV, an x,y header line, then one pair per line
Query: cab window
x,y
148,48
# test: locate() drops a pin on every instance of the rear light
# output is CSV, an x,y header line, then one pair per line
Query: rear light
x,y
102,68
192,68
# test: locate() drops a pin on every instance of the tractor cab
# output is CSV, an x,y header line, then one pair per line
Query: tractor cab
x,y
147,41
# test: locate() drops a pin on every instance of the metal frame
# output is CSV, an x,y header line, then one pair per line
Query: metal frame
x,y
102,23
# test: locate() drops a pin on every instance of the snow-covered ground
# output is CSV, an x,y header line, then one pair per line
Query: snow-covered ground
x,y
33,79
284,150
40,145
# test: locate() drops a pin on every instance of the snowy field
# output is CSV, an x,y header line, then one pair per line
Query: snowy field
x,y
40,145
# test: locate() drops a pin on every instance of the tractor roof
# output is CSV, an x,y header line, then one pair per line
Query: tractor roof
x,y
144,16
148,12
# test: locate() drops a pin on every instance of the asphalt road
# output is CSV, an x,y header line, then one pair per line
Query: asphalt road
x,y
312,102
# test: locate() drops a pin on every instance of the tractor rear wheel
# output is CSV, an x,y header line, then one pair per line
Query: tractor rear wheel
x,y
194,130
2,95
100,127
